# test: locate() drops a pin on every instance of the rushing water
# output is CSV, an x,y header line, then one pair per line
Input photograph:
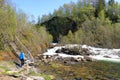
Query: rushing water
x,y
97,53
98,70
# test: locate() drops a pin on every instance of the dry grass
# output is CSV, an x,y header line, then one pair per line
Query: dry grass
x,y
7,56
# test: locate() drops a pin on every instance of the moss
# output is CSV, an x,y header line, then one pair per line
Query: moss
x,y
34,73
4,68
89,70
46,77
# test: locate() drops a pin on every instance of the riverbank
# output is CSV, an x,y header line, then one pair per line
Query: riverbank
x,y
106,66
64,69
100,70
10,71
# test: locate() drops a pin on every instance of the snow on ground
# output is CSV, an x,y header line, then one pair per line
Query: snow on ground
x,y
99,53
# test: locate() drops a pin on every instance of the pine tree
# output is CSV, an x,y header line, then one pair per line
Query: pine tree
x,y
111,2
100,8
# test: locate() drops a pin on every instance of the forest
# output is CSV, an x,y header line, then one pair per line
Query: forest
x,y
92,22
15,23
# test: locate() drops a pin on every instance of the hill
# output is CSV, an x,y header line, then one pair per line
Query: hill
x,y
59,26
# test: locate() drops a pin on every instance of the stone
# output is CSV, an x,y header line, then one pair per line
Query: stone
x,y
29,78
107,56
37,78
58,51
87,58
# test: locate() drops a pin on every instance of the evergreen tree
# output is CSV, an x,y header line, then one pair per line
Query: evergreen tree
x,y
113,11
111,2
39,21
100,8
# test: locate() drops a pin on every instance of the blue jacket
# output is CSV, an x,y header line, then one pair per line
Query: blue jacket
x,y
22,55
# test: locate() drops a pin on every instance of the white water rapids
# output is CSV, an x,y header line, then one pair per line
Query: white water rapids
x,y
100,53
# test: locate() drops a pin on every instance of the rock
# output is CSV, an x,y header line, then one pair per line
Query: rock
x,y
29,78
31,64
75,51
58,51
40,56
107,56
78,59
87,58
58,58
37,78
78,79
118,53
65,50
7,77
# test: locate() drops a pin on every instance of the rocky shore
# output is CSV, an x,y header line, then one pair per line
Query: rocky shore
x,y
78,53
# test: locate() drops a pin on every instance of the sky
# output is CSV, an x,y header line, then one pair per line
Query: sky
x,y
40,7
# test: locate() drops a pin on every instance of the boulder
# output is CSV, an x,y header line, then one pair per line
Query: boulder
x,y
106,56
75,51
37,78
78,79
58,51
78,59
87,58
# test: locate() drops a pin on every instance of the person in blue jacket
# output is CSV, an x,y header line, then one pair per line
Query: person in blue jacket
x,y
22,58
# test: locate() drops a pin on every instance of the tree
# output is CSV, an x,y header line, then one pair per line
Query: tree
x,y
69,38
2,3
11,22
58,12
111,2
113,11
79,37
100,8
116,37
60,26
44,18
7,23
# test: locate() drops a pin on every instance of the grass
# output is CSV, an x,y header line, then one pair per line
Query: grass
x,y
45,76
4,69
100,70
